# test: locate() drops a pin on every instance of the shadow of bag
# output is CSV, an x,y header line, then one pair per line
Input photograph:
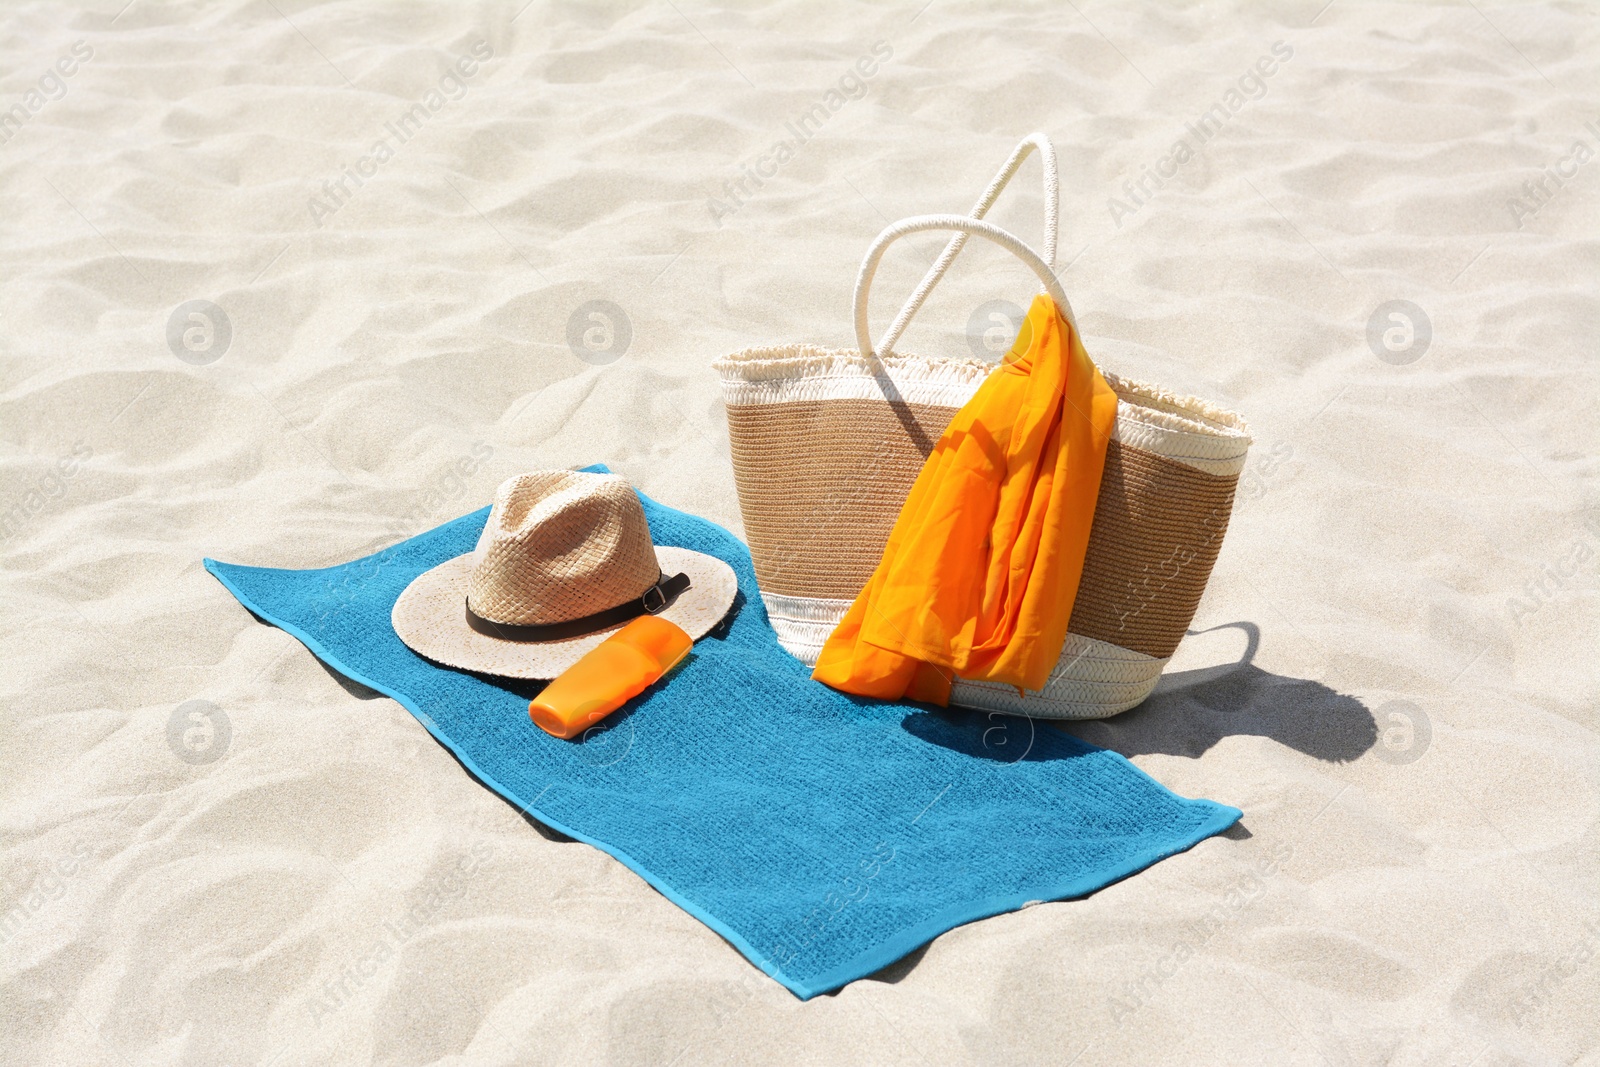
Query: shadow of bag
x,y
827,442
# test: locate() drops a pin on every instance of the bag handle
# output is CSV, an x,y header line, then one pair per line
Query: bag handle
x,y
964,226
1052,199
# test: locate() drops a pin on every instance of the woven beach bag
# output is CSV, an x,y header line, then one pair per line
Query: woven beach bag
x,y
827,442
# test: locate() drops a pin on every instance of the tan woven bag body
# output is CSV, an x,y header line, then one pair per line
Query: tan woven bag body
x,y
827,442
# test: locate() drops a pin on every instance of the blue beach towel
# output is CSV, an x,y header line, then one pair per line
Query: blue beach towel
x,y
823,836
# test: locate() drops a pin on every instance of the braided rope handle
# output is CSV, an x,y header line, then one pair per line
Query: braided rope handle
x,y
962,225
1052,199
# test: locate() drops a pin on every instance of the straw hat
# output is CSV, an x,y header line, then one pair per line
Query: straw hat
x,y
564,560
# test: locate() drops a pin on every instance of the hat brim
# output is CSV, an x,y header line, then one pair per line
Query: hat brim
x,y
431,618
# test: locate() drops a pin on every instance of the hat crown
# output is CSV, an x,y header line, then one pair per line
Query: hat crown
x,y
561,545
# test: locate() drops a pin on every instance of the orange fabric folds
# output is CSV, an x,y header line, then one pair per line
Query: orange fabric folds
x,y
979,575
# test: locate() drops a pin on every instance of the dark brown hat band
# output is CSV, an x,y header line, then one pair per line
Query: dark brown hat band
x,y
655,600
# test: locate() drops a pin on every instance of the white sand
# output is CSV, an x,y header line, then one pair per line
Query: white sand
x,y
1437,911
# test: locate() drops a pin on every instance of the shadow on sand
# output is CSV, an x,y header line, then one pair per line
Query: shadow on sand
x,y
1192,710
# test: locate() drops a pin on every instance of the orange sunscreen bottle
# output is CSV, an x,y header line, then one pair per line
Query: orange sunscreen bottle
x,y
607,677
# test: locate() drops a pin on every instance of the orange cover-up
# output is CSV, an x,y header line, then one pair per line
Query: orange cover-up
x,y
980,573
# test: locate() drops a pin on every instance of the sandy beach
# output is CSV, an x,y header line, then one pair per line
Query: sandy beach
x,y
284,284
